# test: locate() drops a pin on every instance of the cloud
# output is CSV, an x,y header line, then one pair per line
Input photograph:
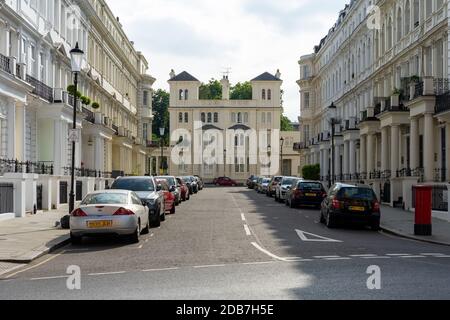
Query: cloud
x,y
250,36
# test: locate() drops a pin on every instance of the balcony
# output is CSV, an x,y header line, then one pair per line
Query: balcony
x,y
153,144
5,64
443,103
88,115
40,89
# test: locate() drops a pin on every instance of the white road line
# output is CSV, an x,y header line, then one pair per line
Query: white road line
x,y
247,230
411,257
326,257
257,246
441,257
210,266
398,254
340,258
35,266
376,257
257,263
157,270
141,246
432,254
363,255
49,278
300,260
105,273
243,217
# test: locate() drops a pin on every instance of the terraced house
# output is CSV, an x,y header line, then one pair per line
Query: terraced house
x,y
36,102
386,81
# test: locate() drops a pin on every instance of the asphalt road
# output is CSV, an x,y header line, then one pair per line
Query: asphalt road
x,y
230,243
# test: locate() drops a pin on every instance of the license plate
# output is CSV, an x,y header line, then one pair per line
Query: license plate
x,y
99,224
357,209
311,195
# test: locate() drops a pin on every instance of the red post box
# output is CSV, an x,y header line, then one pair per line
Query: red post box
x,y
424,206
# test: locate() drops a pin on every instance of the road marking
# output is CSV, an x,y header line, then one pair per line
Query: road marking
x,y
141,246
243,217
397,254
257,263
363,255
336,259
35,266
441,257
247,230
411,257
299,260
157,270
210,266
257,246
376,257
326,257
316,238
49,278
433,254
105,273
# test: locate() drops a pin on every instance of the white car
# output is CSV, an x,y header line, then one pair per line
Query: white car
x,y
116,212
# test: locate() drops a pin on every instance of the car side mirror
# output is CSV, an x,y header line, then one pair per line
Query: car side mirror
x,y
158,187
144,203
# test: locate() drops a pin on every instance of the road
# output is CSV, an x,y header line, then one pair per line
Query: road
x,y
231,243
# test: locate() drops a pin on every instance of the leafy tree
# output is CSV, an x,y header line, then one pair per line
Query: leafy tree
x,y
161,100
211,90
286,124
241,91
311,172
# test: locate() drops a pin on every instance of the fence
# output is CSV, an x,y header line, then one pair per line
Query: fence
x,y
6,198
440,198
15,166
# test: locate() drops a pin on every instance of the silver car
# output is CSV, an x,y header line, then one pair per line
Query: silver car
x,y
283,187
265,185
117,212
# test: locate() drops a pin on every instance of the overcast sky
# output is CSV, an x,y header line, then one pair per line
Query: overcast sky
x,y
204,37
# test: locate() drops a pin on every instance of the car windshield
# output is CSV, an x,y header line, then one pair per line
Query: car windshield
x,y
349,193
106,198
137,185
277,179
170,180
310,186
266,180
287,182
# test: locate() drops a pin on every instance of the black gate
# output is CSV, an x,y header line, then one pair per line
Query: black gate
x,y
387,193
79,191
39,190
6,198
63,192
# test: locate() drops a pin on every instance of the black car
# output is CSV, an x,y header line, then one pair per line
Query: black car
x,y
306,193
148,191
200,183
251,182
353,204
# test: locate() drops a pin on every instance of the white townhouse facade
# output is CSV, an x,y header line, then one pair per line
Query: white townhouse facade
x,y
389,84
36,109
216,119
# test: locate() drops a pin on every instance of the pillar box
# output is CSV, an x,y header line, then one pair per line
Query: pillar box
x,y
424,205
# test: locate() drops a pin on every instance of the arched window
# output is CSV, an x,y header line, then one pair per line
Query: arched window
x,y
203,117
186,117
186,94
180,117
416,14
428,8
407,17
216,117
399,24
389,34
181,95
239,117
264,94
269,94
209,117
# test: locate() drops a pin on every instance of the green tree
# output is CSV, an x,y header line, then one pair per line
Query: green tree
x,y
311,172
211,90
241,91
161,100
286,124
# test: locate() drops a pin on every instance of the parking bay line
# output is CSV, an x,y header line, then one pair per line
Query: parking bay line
x,y
247,230
37,265
49,278
158,270
105,273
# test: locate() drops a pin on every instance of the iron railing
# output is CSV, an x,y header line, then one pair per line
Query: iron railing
x,y
440,175
16,166
87,173
443,103
5,63
40,89
441,86
405,172
89,115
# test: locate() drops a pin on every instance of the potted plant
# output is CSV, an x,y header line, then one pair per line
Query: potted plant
x,y
85,100
95,105
71,90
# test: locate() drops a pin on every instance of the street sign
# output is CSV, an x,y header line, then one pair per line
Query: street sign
x,y
74,135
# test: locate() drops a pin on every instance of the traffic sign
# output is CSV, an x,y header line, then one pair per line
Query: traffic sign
x,y
74,135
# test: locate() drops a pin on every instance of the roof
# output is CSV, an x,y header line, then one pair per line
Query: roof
x,y
184,76
266,77
210,127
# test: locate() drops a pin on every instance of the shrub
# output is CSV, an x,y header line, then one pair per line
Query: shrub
x,y
85,100
311,172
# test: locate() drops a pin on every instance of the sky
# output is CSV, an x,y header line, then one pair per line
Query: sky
x,y
207,37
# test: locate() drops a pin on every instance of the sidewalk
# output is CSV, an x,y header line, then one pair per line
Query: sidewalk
x,y
26,239
401,223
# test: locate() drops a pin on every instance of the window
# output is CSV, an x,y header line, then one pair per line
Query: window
x,y
269,94
186,94
264,94
181,95
246,117
209,117
216,117
263,117
239,117
233,117
145,98
306,100
269,118
203,117
186,117
144,132
180,117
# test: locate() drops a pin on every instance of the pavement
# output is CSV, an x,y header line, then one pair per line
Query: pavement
x,y
401,223
231,243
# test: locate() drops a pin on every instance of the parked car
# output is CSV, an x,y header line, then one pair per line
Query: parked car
x,y
306,193
251,181
224,182
173,187
273,185
258,186
169,197
146,189
193,186
200,183
117,212
282,188
265,185
185,194
351,203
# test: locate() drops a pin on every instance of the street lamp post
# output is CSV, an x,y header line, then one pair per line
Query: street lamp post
x,y
76,64
333,120
225,162
281,154
162,131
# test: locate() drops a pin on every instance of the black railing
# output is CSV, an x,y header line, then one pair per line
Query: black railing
x,y
87,173
405,172
375,175
387,174
16,166
443,102
439,198
115,128
153,144
418,173
89,115
5,63
440,175
40,89
441,86
418,90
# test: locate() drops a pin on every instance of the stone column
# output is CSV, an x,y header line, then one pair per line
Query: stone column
x,y
429,147
414,143
395,152
99,154
346,164
370,153
447,150
363,154
352,157
337,160
384,149
326,159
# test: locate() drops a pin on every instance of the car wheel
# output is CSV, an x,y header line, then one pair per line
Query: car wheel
x,y
375,226
291,204
157,222
173,210
322,219
286,203
146,230
134,238
329,221
75,240
188,197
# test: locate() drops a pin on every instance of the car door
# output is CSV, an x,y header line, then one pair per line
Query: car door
x,y
139,209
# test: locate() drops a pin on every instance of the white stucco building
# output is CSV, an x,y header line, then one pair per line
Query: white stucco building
x,y
389,82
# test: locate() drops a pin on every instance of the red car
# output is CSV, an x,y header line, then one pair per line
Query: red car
x,y
185,195
225,182
169,197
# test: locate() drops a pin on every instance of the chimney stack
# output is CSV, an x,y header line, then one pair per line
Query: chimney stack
x,y
225,88
172,74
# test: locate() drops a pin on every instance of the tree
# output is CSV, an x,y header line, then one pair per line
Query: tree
x,y
161,100
211,90
286,124
241,91
311,172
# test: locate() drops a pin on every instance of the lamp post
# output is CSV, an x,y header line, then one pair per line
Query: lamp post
x,y
269,154
162,131
225,162
281,153
333,120
76,55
